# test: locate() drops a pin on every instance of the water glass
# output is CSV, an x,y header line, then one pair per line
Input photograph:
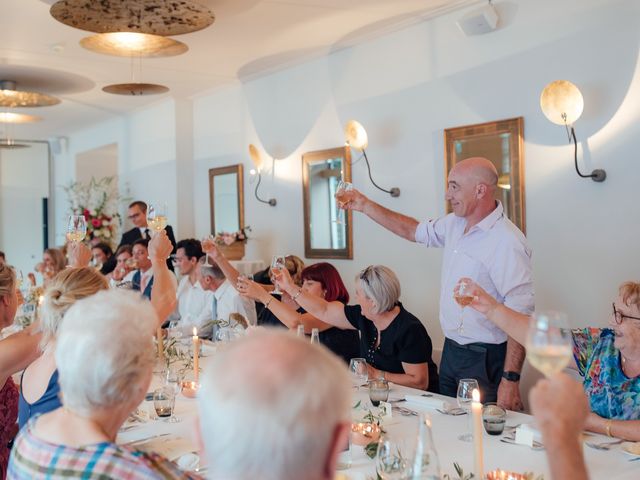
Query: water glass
x,y
395,456
378,391
164,400
494,418
466,386
344,457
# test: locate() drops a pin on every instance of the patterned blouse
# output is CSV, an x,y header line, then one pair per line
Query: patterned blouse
x,y
32,458
8,426
611,393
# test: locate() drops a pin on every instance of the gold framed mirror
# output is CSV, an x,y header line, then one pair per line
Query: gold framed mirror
x,y
327,232
226,198
502,143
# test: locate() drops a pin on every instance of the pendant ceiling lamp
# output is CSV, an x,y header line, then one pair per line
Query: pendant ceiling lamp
x,y
157,17
12,98
132,44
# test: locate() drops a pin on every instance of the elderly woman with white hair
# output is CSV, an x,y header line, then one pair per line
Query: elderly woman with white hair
x,y
394,342
103,378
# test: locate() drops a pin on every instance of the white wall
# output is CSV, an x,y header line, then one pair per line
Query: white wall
x,y
406,88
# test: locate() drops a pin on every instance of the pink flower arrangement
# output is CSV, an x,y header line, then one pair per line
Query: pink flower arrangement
x,y
228,238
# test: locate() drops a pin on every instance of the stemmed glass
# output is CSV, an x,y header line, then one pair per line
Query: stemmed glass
x,y
395,456
157,216
359,372
76,228
340,190
277,263
549,342
466,386
463,297
207,242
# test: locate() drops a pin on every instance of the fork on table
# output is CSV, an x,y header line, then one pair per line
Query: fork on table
x,y
603,445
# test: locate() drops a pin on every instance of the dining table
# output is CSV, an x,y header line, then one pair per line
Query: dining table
x,y
612,464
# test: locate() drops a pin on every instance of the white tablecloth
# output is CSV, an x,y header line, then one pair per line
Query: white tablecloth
x,y
611,465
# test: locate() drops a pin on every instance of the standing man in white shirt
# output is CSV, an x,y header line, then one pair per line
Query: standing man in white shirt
x,y
194,303
226,299
479,242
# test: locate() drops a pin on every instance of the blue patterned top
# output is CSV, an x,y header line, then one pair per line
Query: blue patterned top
x,y
611,393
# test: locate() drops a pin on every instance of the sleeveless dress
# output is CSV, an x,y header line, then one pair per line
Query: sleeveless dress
x,y
50,400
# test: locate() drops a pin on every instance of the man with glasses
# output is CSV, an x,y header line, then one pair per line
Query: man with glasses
x,y
138,216
481,243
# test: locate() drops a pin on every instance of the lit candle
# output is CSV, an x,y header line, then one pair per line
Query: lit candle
x,y
196,352
476,412
160,343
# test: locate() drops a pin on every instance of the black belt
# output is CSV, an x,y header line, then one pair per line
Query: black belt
x,y
476,346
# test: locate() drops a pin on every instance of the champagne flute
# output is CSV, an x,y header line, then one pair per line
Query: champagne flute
x,y
549,345
463,297
277,263
76,228
359,372
466,386
157,216
340,191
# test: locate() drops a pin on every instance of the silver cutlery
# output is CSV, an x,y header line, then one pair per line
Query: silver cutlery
x,y
604,445
405,411
142,440
536,445
453,411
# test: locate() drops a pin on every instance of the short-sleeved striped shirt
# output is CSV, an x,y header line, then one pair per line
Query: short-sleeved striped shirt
x,y
33,458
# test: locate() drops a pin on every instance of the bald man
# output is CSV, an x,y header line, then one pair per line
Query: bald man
x,y
479,242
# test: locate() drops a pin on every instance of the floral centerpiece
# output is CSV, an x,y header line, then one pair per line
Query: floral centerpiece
x,y
229,238
98,202
231,244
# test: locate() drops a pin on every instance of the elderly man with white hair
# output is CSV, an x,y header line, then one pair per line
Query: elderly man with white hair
x,y
103,378
274,407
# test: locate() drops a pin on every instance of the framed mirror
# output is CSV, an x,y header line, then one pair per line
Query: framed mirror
x,y
501,142
226,197
327,231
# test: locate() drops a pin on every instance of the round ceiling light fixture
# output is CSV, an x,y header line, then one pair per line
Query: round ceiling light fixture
x,y
157,17
132,44
135,89
12,98
10,117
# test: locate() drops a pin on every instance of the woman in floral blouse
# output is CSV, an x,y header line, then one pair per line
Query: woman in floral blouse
x,y
607,358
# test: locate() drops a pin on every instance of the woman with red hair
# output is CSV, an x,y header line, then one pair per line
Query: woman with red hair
x,y
322,280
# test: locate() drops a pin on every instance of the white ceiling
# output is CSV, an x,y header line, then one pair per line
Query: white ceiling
x,y
248,38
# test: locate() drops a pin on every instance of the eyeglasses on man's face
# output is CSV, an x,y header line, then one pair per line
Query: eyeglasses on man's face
x,y
619,316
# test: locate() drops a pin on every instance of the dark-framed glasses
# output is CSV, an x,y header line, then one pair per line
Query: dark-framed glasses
x,y
619,316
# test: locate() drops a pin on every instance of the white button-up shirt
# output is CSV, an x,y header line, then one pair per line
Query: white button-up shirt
x,y
494,253
194,304
229,301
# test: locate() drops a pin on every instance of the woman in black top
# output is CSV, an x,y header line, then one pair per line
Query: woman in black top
x,y
394,342
321,280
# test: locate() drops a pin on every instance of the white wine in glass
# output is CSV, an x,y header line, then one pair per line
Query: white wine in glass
x,y
278,262
76,228
549,345
343,187
463,297
157,217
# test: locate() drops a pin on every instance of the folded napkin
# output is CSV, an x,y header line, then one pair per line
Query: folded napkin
x,y
428,402
527,433
169,447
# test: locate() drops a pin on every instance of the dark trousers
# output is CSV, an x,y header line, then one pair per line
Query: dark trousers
x,y
482,361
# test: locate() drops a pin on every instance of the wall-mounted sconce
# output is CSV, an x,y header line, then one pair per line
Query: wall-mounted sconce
x,y
258,162
356,137
562,104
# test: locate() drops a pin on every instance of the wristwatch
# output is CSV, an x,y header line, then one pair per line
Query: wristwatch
x,y
511,376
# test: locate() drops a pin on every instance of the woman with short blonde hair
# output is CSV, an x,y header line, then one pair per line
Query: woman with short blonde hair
x,y
394,342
